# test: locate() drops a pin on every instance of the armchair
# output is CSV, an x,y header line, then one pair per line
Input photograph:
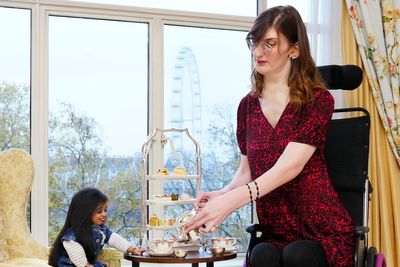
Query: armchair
x,y
16,176
17,247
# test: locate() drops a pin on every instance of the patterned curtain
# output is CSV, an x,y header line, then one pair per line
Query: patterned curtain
x,y
376,26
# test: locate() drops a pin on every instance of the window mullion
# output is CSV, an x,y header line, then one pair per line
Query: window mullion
x,y
39,124
156,102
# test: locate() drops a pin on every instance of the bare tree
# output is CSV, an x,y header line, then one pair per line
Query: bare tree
x,y
77,159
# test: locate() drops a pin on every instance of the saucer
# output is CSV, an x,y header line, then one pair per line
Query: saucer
x,y
160,254
230,249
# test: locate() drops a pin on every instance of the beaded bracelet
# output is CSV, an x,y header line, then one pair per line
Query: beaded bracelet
x,y
258,191
250,193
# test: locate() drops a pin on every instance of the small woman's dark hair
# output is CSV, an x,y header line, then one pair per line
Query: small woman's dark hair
x,y
79,219
304,78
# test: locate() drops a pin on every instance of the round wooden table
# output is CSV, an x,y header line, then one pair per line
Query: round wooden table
x,y
193,257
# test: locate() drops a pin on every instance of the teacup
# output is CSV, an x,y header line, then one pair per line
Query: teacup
x,y
159,245
223,242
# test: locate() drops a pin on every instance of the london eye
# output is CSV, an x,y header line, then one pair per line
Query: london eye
x,y
185,96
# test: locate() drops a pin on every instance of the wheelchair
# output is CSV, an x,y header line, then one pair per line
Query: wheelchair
x,y
346,154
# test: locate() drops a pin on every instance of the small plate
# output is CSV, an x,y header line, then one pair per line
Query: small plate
x,y
233,248
159,254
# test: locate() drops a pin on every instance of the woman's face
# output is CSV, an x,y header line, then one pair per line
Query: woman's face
x,y
272,54
99,216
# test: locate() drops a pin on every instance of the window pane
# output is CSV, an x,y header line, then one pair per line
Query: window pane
x,y
228,7
97,115
15,46
15,91
207,72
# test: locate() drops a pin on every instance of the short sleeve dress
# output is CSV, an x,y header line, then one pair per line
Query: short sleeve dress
x,y
307,207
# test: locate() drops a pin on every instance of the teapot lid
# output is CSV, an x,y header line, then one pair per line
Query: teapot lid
x,y
186,216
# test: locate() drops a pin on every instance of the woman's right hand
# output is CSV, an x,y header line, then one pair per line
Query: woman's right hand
x,y
204,197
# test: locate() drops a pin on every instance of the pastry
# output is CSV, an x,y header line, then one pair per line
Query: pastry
x,y
154,220
162,197
180,171
163,171
171,221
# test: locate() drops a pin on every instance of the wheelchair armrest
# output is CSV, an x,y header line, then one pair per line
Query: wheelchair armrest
x,y
361,230
254,228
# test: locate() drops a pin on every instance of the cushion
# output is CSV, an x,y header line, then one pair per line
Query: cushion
x,y
31,262
111,257
3,248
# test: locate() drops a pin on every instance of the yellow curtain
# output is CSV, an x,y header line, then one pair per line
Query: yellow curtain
x,y
384,172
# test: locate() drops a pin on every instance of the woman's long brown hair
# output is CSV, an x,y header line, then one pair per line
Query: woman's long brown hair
x,y
304,78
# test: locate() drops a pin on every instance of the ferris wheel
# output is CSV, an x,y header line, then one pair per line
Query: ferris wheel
x,y
185,96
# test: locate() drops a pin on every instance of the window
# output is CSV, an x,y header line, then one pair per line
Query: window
x,y
98,64
15,68
97,115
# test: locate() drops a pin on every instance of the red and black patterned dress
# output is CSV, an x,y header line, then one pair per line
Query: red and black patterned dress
x,y
307,207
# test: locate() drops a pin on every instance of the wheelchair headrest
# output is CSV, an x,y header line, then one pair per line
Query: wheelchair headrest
x,y
346,77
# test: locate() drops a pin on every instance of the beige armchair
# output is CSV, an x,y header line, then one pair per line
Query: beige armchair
x,y
17,247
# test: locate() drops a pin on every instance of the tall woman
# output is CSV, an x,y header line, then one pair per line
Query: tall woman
x,y
281,132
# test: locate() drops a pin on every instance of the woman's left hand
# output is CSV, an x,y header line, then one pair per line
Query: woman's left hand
x,y
211,215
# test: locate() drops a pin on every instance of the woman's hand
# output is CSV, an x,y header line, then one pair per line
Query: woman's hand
x,y
204,197
212,213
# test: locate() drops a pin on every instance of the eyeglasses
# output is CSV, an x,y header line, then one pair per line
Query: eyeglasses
x,y
266,45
